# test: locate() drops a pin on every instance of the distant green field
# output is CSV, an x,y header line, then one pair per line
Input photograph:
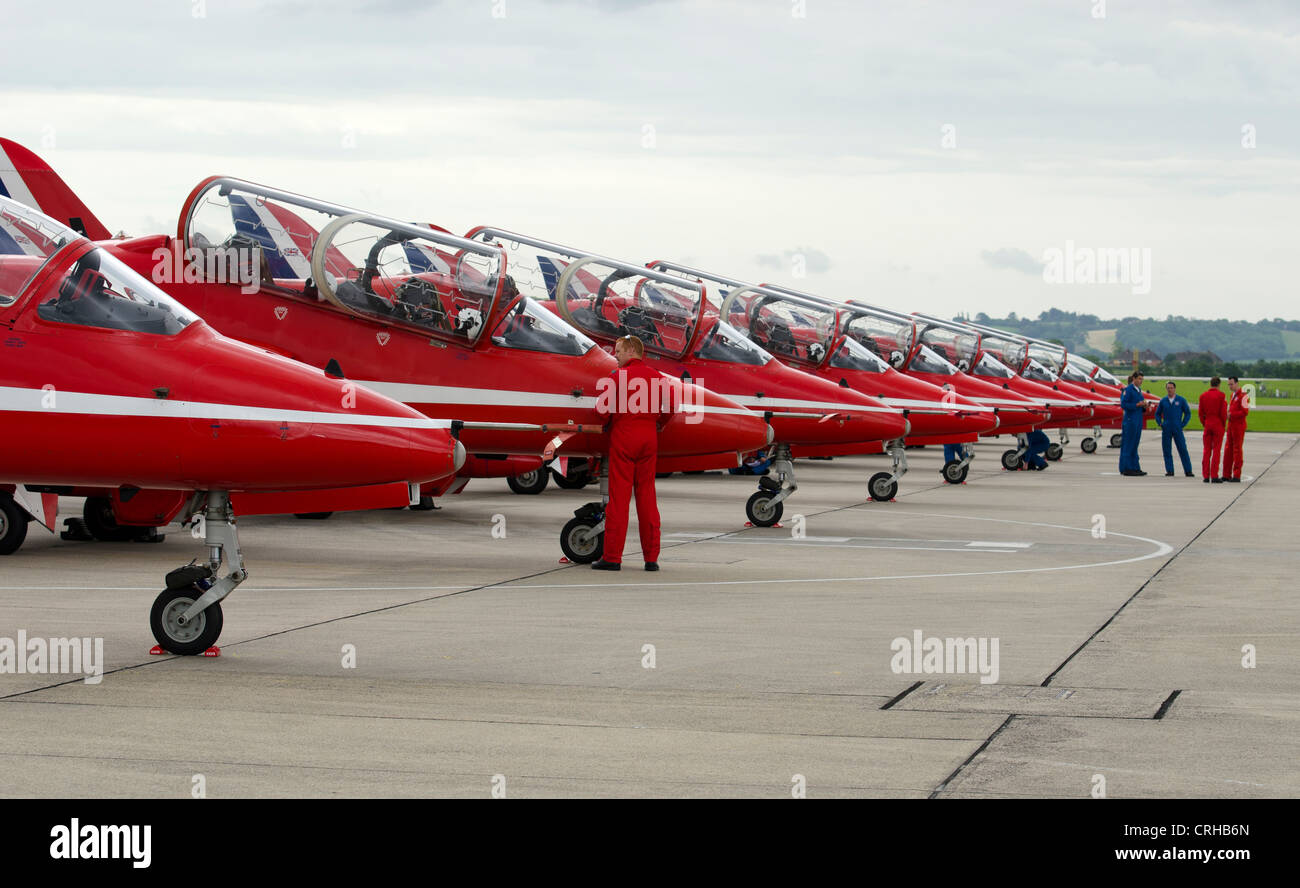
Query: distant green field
x,y
1259,420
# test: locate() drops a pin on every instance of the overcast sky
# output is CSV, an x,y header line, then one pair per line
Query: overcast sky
x,y
922,155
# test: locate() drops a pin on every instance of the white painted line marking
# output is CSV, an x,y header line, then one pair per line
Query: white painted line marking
x,y
995,545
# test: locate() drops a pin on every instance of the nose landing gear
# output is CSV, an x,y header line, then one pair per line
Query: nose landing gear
x,y
1011,458
884,485
186,617
583,538
764,508
955,472
1057,450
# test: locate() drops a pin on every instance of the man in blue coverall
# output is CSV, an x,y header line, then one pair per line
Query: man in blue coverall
x,y
1037,443
1134,403
1172,415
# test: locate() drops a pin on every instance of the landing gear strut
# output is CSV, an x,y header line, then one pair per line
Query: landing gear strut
x,y
1057,450
884,485
186,617
955,472
1089,445
765,508
1011,458
583,538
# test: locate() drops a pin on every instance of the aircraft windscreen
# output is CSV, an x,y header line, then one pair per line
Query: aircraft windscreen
x,y
1072,373
991,367
1008,351
384,270
1094,372
98,290
783,328
954,347
1050,356
398,274
1038,373
928,361
603,300
725,343
529,326
852,355
884,336
28,240
1105,377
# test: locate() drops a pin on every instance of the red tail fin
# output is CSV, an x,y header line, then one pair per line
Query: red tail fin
x,y
28,179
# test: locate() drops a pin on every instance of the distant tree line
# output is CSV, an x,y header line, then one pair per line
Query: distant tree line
x,y
1242,342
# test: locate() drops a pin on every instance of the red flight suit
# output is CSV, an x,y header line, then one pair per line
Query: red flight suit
x,y
1232,455
1212,410
638,404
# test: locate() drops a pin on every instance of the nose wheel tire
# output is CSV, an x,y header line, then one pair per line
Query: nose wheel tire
x,y
186,639
761,511
529,483
579,544
1010,460
1088,445
954,472
1054,451
1116,440
13,526
882,487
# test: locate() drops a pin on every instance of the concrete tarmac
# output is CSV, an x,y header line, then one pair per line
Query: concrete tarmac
x,y
1138,633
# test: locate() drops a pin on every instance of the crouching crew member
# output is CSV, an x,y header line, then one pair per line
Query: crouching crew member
x,y
1172,415
1238,408
639,404
1037,443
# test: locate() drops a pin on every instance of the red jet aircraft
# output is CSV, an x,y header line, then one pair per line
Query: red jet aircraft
x,y
807,332
415,313
685,338
109,384
1047,362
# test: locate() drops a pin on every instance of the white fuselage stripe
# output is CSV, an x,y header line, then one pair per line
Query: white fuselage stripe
x,y
30,400
761,404
946,406
415,393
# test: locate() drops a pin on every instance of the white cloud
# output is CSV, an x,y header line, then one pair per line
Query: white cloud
x,y
766,130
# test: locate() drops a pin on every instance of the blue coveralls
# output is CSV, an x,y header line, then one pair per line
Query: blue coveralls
x,y
951,453
1134,403
1172,416
1037,442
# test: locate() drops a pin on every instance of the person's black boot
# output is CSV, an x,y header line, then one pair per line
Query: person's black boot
x,y
602,564
652,565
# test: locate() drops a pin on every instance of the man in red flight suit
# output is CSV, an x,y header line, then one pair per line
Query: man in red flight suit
x,y
1238,407
639,404
1212,410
